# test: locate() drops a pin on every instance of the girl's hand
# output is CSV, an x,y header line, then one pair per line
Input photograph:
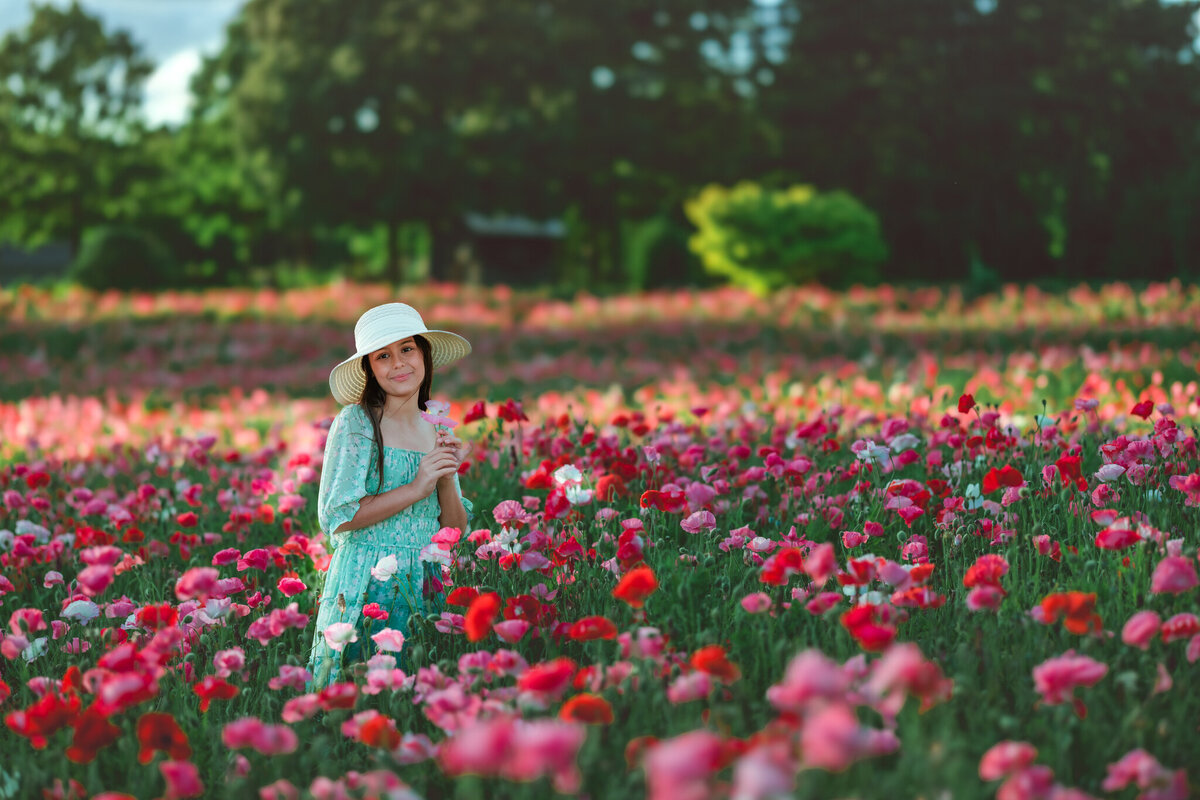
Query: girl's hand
x,y
435,466
446,439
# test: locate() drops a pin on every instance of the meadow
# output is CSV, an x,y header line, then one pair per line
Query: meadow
x,y
889,542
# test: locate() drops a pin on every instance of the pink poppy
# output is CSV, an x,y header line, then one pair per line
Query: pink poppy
x,y
699,521
388,639
254,559
1004,758
1056,678
291,586
95,579
197,583
756,603
682,766
182,778
692,686
1140,629
511,630
985,598
227,662
833,739
1174,575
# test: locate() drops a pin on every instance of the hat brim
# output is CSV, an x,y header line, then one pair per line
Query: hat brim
x,y
347,380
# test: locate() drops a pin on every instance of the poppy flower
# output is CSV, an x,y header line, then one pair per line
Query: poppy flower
x,y
1005,477
41,720
965,403
380,732
987,570
160,731
712,659
1077,610
636,586
213,688
462,596
93,732
478,620
476,412
1143,409
587,708
591,628
510,411
551,677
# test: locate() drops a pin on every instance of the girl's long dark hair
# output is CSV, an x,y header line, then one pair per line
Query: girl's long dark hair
x,y
374,397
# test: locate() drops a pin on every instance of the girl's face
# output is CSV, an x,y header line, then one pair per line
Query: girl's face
x,y
399,368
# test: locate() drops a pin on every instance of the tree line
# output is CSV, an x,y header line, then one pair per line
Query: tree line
x,y
1022,138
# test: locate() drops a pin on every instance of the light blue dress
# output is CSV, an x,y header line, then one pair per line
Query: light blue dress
x,y
349,473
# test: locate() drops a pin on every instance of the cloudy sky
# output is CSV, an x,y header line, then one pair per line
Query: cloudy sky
x,y
173,33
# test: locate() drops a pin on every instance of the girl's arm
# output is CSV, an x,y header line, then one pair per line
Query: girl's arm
x,y
454,514
377,507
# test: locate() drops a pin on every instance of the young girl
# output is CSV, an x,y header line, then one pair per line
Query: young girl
x,y
389,481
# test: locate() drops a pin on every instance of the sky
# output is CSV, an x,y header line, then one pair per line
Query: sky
x,y
173,33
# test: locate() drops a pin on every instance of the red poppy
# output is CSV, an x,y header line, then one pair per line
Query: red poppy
x,y
187,519
510,411
778,569
568,550
163,615
673,502
213,688
921,572
478,620
338,695
635,586
965,403
867,626
587,708
591,628
1006,476
1071,470
550,677
380,732
711,659
987,570
93,732
1077,610
157,730
42,719
526,607
1143,409
476,412
610,487
462,596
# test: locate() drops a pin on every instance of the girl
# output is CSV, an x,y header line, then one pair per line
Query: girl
x,y
388,483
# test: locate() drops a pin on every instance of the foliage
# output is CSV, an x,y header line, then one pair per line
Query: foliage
x,y
765,239
70,104
1043,140
123,257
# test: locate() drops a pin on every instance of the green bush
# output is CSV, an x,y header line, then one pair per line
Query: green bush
x,y
764,239
123,257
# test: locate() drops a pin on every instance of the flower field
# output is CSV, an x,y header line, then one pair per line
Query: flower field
x,y
878,544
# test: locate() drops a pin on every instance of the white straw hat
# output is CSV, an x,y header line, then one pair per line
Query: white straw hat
x,y
376,329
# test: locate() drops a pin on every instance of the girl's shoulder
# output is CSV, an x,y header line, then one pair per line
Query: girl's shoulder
x,y
351,419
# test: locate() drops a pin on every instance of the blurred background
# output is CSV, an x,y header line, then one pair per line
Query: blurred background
x,y
603,146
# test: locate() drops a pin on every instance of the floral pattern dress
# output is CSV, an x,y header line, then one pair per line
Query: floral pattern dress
x,y
349,473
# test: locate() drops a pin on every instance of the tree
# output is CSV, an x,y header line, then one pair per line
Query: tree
x,y
1009,131
418,110
70,112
